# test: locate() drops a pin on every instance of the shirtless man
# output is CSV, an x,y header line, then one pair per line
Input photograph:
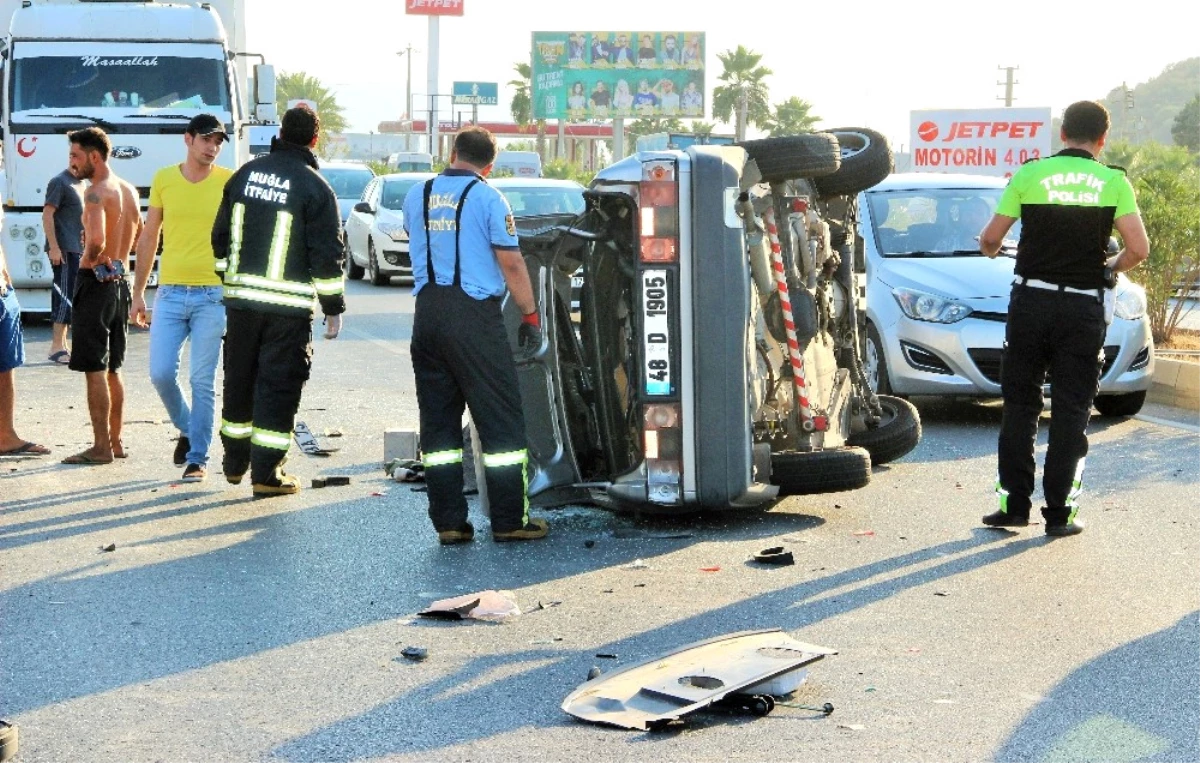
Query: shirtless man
x,y
100,316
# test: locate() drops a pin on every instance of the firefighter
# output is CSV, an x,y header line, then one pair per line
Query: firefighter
x,y
1068,205
278,243
464,254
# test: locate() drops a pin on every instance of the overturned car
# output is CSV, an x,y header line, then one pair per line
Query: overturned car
x,y
715,360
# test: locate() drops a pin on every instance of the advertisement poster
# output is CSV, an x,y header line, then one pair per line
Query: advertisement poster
x,y
992,141
602,75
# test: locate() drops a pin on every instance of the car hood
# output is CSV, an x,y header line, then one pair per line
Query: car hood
x,y
961,277
389,216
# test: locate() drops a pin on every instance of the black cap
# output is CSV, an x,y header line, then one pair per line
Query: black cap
x,y
206,124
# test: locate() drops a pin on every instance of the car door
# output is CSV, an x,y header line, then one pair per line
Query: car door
x,y
358,225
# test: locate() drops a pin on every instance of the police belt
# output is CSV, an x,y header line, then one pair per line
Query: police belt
x,y
1034,283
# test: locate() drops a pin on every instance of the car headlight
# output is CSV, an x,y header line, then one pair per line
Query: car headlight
x,y
1131,300
930,307
393,231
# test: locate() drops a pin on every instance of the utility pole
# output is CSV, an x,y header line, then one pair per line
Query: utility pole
x,y
1008,84
408,96
1127,106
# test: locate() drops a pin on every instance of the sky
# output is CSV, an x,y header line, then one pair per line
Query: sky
x,y
865,64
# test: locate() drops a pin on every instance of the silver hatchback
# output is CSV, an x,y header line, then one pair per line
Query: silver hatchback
x,y
936,307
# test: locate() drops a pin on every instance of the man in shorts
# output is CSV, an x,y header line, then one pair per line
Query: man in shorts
x,y
62,220
12,355
100,315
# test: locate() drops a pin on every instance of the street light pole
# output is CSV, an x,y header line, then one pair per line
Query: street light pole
x,y
408,96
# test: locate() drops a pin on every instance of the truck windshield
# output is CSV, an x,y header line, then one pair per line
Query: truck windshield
x,y
126,77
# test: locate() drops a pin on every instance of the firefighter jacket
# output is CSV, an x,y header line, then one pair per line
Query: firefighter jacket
x,y
278,236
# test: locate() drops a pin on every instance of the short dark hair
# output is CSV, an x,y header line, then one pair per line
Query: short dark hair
x,y
92,139
300,125
475,145
1085,122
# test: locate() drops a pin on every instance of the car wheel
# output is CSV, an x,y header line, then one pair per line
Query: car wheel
x,y
1120,405
897,433
820,471
794,156
353,271
875,363
377,278
866,159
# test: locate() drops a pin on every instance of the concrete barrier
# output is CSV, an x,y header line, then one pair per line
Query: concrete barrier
x,y
1177,383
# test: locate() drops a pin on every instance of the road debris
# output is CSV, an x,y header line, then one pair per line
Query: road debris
x,y
414,653
776,555
109,547
490,606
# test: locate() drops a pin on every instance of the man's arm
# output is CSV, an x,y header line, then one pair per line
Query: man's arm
x,y
516,277
5,278
93,228
1137,244
147,251
51,234
991,238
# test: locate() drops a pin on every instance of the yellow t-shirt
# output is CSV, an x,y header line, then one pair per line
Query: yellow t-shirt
x,y
189,210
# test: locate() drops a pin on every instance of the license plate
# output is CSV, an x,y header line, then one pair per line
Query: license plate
x,y
656,333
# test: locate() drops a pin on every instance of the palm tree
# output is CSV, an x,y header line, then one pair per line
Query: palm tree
x,y
744,91
702,128
300,86
791,117
522,103
651,125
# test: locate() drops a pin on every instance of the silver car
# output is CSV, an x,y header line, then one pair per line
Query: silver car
x,y
936,307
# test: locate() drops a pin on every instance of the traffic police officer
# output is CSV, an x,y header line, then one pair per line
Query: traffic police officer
x,y
1068,204
278,242
463,243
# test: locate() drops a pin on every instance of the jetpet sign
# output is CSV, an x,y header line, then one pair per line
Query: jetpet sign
x,y
602,75
979,141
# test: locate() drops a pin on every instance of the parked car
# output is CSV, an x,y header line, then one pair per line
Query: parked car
x,y
537,197
936,307
348,180
410,161
688,382
377,244
517,164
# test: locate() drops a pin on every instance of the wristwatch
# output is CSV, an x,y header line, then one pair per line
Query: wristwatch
x,y
1110,277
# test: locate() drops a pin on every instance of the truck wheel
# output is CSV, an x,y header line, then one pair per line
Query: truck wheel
x,y
896,434
794,156
1120,405
866,160
820,471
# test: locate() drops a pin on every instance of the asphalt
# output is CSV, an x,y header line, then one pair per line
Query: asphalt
x,y
223,628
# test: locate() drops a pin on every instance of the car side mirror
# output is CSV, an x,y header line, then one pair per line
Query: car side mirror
x,y
364,207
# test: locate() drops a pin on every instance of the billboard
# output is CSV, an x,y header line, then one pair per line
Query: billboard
x,y
434,7
601,75
993,141
476,94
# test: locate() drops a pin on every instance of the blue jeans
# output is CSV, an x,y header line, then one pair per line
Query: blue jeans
x,y
181,313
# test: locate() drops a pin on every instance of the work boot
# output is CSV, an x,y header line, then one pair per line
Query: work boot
x,y
1063,529
1004,519
464,534
533,530
284,484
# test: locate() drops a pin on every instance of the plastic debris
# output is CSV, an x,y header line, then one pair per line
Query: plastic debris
x,y
710,569
405,470
414,653
490,606
109,547
775,555
637,564
862,533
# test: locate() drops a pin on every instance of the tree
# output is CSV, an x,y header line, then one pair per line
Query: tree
x,y
791,117
298,85
744,86
522,103
651,125
702,128
1186,129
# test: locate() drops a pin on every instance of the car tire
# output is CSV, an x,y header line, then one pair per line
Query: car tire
x,y
353,271
377,278
896,434
866,159
794,156
820,471
1126,404
875,363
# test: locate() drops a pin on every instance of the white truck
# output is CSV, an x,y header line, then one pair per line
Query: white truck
x,y
140,70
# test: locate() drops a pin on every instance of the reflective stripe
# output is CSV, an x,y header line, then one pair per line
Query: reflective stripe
x,y
1002,494
1076,490
329,286
237,431
257,295
512,458
235,237
269,439
246,279
279,245
443,457
222,265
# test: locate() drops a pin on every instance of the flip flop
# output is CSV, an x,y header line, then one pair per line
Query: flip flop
x,y
83,459
27,449
62,356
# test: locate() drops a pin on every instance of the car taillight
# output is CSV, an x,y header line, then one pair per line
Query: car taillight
x,y
658,210
663,450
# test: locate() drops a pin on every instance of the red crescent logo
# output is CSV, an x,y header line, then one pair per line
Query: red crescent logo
x,y
21,146
927,131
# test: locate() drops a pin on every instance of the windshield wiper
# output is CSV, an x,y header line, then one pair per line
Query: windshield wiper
x,y
159,116
95,120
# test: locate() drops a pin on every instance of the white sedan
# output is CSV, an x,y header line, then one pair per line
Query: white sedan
x,y
375,238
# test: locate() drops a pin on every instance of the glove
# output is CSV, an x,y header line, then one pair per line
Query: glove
x,y
529,333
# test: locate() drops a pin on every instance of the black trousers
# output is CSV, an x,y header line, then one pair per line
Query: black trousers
x,y
461,358
268,359
1062,333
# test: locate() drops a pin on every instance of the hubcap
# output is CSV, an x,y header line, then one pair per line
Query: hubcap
x,y
871,364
